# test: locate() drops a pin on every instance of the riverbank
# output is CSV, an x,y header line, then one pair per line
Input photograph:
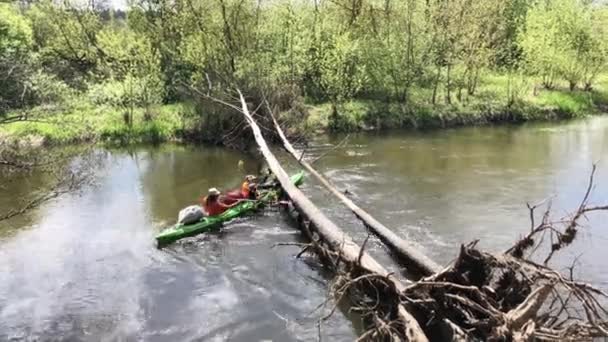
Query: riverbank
x,y
492,104
89,123
85,122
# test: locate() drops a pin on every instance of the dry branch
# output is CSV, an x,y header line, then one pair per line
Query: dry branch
x,y
562,231
510,297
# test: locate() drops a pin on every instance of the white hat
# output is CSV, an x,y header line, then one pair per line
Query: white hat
x,y
214,192
250,177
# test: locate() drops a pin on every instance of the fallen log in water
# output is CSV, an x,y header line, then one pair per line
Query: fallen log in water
x,y
338,241
420,262
481,296
509,297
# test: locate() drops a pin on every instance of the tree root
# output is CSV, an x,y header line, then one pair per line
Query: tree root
x,y
481,296
374,297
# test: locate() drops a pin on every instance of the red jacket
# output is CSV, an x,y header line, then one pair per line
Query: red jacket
x,y
214,207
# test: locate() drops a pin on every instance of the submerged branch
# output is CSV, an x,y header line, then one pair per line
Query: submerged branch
x,y
562,231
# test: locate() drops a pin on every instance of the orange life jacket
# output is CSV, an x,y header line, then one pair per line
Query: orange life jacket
x,y
245,189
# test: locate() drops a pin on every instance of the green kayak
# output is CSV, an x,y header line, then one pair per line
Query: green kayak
x,y
179,230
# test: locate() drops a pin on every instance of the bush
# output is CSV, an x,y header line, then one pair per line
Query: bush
x,y
132,91
47,88
109,92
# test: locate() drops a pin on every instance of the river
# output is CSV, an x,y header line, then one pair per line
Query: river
x,y
84,267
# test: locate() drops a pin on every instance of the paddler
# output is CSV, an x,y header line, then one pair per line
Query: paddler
x,y
213,204
248,190
249,187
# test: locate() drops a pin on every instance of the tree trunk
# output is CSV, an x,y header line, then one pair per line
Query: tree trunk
x,y
434,99
349,251
421,263
448,94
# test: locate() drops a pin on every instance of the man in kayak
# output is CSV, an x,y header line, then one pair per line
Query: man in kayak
x,y
213,203
247,190
249,187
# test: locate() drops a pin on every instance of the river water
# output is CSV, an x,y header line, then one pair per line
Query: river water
x,y
84,267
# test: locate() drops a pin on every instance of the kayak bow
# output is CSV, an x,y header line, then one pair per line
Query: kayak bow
x,y
179,231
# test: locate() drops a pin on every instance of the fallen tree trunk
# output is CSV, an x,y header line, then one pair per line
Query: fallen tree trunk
x,y
484,296
481,296
331,234
420,262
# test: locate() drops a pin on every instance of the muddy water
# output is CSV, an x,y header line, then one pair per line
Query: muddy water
x,y
85,267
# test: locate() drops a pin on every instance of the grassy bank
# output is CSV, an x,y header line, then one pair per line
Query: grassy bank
x,y
86,122
185,121
493,103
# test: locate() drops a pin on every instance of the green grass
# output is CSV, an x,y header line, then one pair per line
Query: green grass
x,y
87,122
99,123
569,104
163,124
490,103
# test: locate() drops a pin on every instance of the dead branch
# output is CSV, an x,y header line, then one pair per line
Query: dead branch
x,y
527,310
562,232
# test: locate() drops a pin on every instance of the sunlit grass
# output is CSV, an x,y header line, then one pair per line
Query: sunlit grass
x,y
101,123
572,104
499,97
490,103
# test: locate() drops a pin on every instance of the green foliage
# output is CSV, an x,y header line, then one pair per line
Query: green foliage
x,y
128,92
47,88
66,41
131,69
342,70
15,32
565,39
15,45
377,63
108,93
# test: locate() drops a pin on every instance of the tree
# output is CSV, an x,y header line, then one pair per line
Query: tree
x,y
66,41
393,47
565,39
595,58
15,50
541,44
